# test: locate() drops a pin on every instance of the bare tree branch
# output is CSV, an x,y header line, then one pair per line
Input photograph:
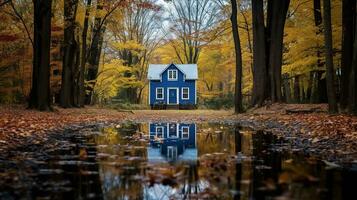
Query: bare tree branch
x,y
4,3
19,16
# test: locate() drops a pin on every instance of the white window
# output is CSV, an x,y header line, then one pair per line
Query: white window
x,y
159,132
160,93
172,75
185,132
185,93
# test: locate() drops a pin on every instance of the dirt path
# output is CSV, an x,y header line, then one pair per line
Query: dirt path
x,y
332,137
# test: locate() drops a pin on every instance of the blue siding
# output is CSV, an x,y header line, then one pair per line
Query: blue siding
x,y
178,143
165,84
188,143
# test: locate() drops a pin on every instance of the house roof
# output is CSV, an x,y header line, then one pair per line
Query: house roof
x,y
190,71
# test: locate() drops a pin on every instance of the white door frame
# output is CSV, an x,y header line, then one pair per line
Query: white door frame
x,y
177,95
173,152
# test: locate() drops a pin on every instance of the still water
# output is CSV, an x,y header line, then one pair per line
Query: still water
x,y
172,161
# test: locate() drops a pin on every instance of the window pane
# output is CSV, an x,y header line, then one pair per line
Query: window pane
x,y
159,93
185,93
185,132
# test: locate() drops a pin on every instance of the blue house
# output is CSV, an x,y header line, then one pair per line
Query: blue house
x,y
172,86
172,142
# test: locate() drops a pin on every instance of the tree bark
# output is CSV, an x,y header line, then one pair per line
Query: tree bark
x,y
238,80
259,59
94,52
40,92
70,48
297,89
268,50
348,24
331,92
353,76
275,24
83,55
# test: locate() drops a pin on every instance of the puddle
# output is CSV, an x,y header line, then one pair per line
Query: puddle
x,y
172,161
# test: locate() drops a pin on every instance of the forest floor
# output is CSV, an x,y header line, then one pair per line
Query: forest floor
x,y
309,127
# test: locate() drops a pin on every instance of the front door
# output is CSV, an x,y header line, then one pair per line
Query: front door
x,y
172,95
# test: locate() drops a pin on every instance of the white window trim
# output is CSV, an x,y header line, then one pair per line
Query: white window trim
x,y
168,75
188,132
188,93
162,91
156,132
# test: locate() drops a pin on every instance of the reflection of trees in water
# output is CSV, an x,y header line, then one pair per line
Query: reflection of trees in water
x,y
191,184
81,172
216,174
121,183
265,179
243,170
120,171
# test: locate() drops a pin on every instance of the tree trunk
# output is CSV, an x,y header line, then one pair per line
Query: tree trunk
x,y
70,48
95,51
317,12
348,24
259,59
297,89
275,24
40,92
286,86
268,50
353,77
238,80
83,55
76,72
331,93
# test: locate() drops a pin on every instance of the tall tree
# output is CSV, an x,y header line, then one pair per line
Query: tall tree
x,y
348,24
40,91
277,10
193,23
260,78
353,76
137,36
69,59
84,55
331,92
238,80
316,74
95,48
267,50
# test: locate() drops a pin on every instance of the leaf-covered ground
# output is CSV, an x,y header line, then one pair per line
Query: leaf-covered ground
x,y
333,137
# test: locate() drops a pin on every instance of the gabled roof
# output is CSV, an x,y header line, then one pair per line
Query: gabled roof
x,y
189,70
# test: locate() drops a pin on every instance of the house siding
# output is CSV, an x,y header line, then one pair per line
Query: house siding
x,y
188,143
180,83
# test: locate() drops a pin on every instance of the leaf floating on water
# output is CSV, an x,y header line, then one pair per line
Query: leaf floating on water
x,y
83,154
284,178
331,165
262,167
50,171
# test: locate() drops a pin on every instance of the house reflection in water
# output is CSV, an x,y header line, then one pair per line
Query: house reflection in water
x,y
172,142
